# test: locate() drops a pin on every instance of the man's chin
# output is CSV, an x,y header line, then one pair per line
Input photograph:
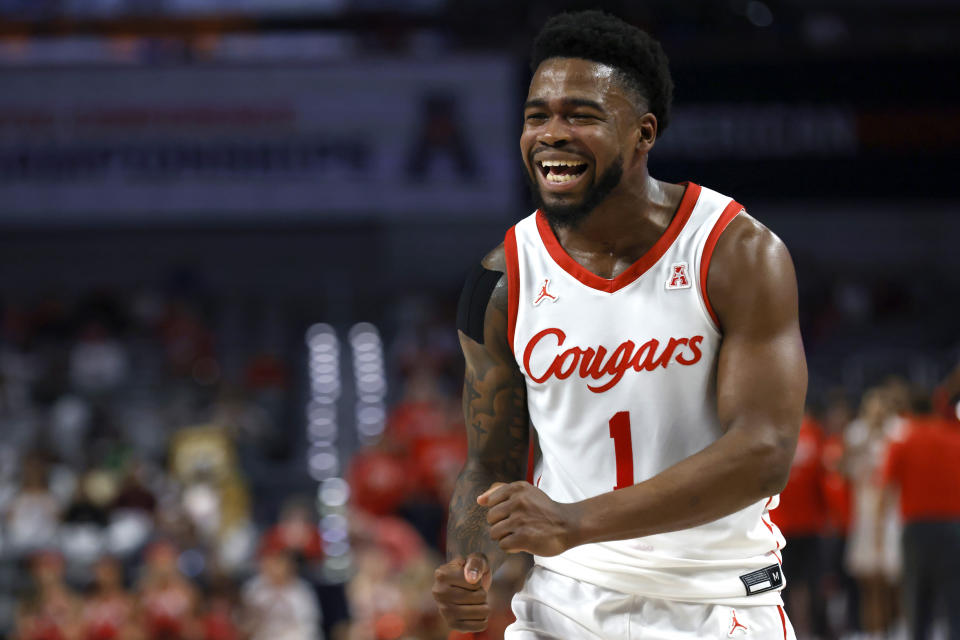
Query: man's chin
x,y
568,215
561,209
570,208
561,200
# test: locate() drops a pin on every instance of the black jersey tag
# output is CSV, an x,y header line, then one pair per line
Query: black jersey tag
x,y
761,580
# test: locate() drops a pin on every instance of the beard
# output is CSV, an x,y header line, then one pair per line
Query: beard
x,y
571,215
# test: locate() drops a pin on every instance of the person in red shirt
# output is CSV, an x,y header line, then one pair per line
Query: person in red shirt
x,y
168,601
52,614
925,466
379,480
297,533
220,610
108,611
801,517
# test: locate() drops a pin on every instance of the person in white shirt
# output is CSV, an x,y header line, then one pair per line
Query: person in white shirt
x,y
277,605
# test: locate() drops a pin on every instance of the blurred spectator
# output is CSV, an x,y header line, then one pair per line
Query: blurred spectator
x,y
421,412
379,481
33,515
94,491
185,337
873,556
376,596
426,427
109,609
840,589
394,537
946,397
70,422
296,533
51,612
219,618
82,530
388,552
133,493
277,604
132,512
801,517
244,421
168,601
265,371
98,361
923,465
439,458
421,617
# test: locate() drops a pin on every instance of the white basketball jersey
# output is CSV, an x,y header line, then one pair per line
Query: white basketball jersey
x,y
621,384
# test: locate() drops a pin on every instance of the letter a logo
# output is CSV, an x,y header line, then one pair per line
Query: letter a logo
x,y
678,279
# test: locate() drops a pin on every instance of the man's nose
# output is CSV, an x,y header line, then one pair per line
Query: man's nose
x,y
554,133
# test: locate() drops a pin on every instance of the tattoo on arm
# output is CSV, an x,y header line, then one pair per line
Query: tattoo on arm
x,y
495,410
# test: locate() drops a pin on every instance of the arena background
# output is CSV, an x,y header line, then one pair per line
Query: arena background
x,y
232,236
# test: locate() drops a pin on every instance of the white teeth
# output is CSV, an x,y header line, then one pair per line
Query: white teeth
x,y
560,178
560,163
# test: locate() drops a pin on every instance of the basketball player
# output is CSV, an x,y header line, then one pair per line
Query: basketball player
x,y
648,332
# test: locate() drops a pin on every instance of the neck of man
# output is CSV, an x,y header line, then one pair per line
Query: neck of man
x,y
628,222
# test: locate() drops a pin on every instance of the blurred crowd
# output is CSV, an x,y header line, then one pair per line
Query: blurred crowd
x,y
871,515
152,483
138,500
135,432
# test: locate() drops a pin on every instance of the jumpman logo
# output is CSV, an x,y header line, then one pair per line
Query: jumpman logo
x,y
735,624
544,294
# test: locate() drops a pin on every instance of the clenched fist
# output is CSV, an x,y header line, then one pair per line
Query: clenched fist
x,y
524,518
460,588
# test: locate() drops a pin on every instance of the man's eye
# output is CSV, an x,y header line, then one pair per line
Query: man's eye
x,y
536,117
583,117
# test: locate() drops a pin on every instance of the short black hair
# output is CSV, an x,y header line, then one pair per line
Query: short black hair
x,y
604,38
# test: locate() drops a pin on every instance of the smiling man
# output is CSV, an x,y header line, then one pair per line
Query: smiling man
x,y
647,333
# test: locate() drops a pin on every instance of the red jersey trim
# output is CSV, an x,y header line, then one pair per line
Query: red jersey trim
x,y
638,268
769,526
530,461
513,282
729,213
783,621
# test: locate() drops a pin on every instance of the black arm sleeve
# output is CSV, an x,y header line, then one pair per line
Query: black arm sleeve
x,y
473,301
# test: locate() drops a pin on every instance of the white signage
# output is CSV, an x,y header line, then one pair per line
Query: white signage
x,y
365,138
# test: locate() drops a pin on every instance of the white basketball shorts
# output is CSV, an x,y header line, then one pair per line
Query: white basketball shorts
x,y
556,607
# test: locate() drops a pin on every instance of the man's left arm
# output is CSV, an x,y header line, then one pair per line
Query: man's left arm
x,y
761,386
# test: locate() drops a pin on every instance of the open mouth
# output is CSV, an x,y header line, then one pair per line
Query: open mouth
x,y
560,172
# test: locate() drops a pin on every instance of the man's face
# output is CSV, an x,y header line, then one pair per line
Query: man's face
x,y
578,131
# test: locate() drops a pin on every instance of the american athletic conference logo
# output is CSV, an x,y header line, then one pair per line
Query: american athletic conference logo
x,y
677,278
593,363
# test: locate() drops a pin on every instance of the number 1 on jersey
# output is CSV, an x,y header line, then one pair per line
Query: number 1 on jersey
x,y
622,448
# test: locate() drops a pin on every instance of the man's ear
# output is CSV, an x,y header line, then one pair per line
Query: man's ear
x,y
646,132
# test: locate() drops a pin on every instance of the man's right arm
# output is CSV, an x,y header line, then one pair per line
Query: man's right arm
x,y
495,413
